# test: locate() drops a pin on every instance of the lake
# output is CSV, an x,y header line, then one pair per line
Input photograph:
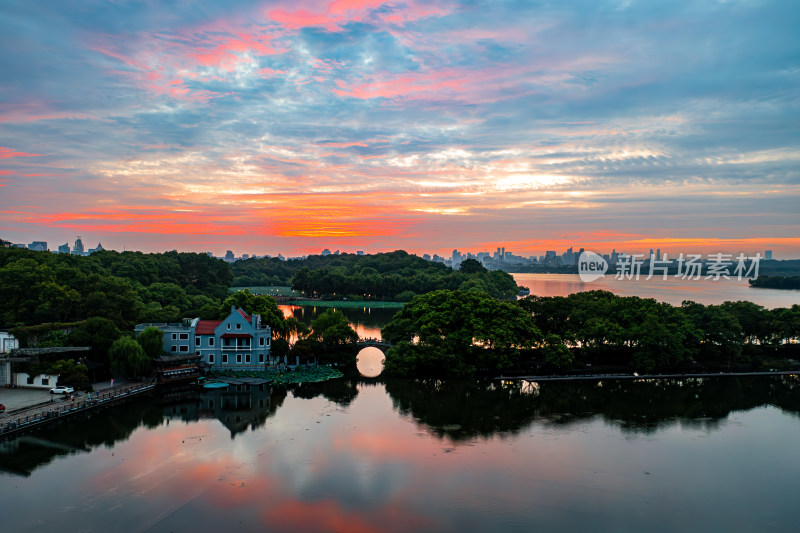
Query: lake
x,y
672,290
359,455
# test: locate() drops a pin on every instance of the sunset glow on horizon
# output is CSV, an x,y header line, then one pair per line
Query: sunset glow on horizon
x,y
288,127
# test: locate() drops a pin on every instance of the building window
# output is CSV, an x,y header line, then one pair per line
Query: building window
x,y
238,358
184,348
261,341
174,348
211,341
261,358
229,326
30,380
238,326
211,358
267,341
46,382
224,358
174,336
184,336
247,358
197,341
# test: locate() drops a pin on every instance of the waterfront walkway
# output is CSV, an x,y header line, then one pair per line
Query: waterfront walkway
x,y
44,413
599,377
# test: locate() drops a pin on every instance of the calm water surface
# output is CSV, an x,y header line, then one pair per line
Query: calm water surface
x,y
357,455
672,290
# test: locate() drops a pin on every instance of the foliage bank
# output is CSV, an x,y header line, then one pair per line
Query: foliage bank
x,y
456,333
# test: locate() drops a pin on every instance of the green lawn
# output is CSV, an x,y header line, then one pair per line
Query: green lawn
x,y
349,304
270,290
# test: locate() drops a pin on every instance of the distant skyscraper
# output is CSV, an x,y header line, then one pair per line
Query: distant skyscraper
x,y
326,252
229,256
768,255
64,248
360,252
39,246
77,249
658,254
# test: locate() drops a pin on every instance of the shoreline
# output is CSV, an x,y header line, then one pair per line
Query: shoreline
x,y
600,377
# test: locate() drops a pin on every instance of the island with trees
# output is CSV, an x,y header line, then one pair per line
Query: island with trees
x,y
464,333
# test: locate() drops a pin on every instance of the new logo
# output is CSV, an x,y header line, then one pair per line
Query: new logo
x,y
591,266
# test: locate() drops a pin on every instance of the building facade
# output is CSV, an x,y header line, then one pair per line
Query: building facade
x,y
239,342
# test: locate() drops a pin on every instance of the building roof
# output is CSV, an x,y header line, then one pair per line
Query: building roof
x,y
206,327
35,352
245,315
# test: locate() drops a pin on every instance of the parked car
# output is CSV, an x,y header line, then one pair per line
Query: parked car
x,y
2,408
62,389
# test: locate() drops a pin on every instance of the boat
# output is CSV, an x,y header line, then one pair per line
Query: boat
x,y
524,291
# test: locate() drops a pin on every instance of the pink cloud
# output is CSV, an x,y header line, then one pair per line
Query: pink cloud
x,y
340,6
302,18
7,153
406,85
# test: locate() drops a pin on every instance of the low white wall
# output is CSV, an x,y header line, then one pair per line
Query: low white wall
x,y
42,381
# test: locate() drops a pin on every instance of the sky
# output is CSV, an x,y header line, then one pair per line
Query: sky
x,y
293,126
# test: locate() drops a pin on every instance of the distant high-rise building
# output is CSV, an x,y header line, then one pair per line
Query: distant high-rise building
x,y
326,252
229,257
768,255
64,248
39,246
426,257
360,252
245,256
77,249
658,254
99,247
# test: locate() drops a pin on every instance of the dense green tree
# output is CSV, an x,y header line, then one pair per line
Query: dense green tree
x,y
152,342
555,352
472,266
457,333
263,305
127,358
338,338
393,275
99,334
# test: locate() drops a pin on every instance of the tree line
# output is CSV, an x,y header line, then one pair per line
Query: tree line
x,y
460,333
126,288
398,276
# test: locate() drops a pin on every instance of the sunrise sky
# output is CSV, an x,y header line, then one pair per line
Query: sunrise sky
x,y
292,126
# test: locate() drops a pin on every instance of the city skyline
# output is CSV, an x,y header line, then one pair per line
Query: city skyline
x,y
289,127
500,253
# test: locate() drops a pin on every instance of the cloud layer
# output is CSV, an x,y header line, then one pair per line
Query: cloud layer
x,y
291,126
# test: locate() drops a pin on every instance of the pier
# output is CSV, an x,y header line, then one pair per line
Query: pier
x,y
49,412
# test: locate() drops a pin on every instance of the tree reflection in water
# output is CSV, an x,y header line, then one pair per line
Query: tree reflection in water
x,y
455,410
465,410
